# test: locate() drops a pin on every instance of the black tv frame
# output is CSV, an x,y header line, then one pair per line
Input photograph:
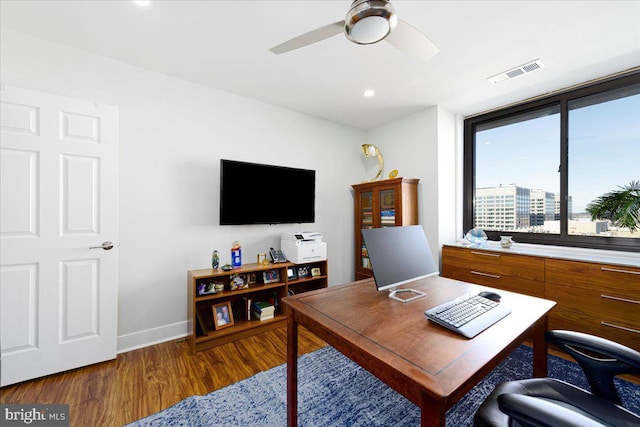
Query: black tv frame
x,y
256,193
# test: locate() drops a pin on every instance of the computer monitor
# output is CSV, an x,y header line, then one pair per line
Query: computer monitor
x,y
399,255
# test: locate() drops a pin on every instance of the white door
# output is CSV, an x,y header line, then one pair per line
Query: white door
x,y
58,198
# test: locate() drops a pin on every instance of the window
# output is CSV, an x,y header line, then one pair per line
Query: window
x,y
561,170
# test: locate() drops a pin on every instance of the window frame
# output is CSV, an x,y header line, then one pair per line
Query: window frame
x,y
562,99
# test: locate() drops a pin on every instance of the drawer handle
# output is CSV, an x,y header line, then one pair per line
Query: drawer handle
x,y
611,325
620,299
485,274
485,254
619,270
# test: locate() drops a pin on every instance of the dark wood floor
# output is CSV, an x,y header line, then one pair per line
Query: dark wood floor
x,y
145,381
142,382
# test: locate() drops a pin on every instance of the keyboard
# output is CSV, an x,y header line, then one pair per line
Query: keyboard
x,y
468,315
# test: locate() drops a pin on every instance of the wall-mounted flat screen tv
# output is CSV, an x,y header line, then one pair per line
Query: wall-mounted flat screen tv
x,y
253,193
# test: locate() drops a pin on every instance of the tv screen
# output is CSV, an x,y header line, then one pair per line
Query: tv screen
x,y
253,193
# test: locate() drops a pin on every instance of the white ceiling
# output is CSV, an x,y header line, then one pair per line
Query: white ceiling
x,y
224,44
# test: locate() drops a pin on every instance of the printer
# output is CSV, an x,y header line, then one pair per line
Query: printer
x,y
304,246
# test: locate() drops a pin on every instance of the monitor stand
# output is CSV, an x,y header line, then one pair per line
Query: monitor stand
x,y
415,296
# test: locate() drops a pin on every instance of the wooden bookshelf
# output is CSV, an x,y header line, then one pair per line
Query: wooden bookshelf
x,y
202,333
385,203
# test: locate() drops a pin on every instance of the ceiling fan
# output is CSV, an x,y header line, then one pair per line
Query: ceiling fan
x,y
368,22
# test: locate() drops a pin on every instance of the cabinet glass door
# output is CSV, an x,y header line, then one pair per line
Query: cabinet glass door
x,y
387,208
366,210
366,213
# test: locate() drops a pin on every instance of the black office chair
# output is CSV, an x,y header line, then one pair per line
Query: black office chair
x,y
550,402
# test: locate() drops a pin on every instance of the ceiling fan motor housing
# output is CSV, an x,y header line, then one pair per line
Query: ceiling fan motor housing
x,y
369,21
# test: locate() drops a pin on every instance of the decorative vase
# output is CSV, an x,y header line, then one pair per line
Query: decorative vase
x,y
476,238
215,260
505,241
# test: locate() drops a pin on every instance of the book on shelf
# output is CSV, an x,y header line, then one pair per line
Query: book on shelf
x,y
363,251
263,307
387,217
263,316
246,308
263,310
274,299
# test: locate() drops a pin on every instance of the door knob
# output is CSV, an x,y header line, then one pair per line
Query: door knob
x,y
107,245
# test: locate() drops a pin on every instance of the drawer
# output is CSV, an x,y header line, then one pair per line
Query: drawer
x,y
591,275
491,262
508,283
620,333
610,307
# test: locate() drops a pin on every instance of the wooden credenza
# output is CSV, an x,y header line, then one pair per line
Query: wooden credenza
x,y
592,297
516,273
596,298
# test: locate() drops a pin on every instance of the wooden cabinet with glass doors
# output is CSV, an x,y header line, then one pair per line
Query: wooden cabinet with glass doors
x,y
385,203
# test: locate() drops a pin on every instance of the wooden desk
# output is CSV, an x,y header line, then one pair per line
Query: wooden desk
x,y
428,364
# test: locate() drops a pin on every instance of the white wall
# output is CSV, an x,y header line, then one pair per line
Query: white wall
x,y
171,137
424,145
449,193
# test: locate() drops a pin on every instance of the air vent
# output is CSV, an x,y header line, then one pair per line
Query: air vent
x,y
517,72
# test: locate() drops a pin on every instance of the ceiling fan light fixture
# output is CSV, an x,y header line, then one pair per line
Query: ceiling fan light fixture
x,y
369,21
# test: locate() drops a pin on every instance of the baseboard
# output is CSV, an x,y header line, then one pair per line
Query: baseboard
x,y
150,337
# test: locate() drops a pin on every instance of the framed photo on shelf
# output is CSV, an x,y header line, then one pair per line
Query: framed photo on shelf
x,y
270,276
238,281
303,272
291,273
251,279
315,272
222,315
262,257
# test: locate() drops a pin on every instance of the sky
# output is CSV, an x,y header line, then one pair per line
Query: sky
x,y
604,151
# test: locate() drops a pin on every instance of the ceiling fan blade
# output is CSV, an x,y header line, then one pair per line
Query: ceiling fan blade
x,y
309,38
409,40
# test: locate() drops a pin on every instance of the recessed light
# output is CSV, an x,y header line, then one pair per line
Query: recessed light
x,y
369,93
142,2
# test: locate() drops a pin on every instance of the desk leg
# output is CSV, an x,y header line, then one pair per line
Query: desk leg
x,y
540,350
432,413
292,369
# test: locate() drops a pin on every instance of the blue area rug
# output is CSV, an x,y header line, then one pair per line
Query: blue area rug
x,y
334,391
